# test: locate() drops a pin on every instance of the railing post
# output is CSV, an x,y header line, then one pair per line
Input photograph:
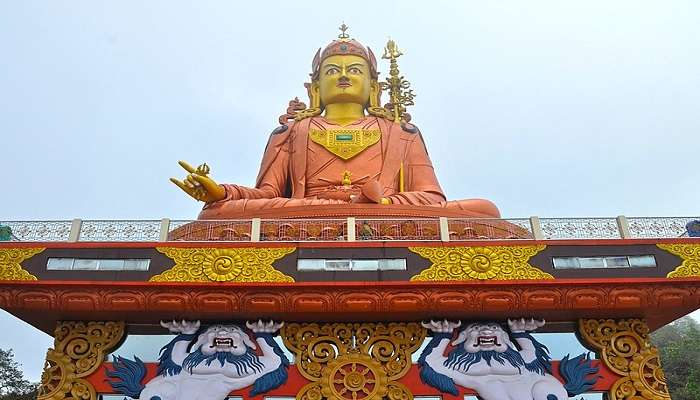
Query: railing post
x,y
624,227
75,226
164,229
444,230
352,235
537,233
255,230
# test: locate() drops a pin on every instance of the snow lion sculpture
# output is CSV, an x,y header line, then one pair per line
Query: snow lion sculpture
x,y
223,358
485,359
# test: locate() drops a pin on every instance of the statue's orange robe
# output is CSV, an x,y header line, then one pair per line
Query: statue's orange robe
x,y
295,171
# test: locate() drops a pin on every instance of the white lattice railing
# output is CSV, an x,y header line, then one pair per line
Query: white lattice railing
x,y
350,229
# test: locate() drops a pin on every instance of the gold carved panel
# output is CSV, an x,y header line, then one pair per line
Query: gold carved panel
x,y
690,253
345,143
624,347
353,361
79,350
224,265
11,263
479,263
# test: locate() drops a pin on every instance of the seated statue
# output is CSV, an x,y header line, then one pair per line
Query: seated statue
x,y
344,155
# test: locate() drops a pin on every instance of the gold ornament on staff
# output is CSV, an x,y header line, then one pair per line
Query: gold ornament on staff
x,y
399,93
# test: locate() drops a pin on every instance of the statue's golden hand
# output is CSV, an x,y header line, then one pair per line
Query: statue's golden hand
x,y
199,185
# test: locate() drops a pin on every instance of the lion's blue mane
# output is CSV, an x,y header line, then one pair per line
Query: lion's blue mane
x,y
428,375
246,363
127,375
166,365
543,362
272,379
459,359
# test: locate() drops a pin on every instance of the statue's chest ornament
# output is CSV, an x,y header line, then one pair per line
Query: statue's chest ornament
x,y
345,143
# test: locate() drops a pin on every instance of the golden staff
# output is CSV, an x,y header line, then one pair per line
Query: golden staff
x,y
400,95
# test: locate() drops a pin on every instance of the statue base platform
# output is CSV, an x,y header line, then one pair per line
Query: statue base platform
x,y
358,210
372,222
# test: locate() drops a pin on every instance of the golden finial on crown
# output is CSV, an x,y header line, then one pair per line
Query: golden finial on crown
x,y
343,34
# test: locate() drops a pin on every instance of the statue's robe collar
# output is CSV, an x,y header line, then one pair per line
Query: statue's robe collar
x,y
295,141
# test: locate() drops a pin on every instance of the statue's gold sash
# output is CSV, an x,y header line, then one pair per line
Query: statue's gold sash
x,y
345,143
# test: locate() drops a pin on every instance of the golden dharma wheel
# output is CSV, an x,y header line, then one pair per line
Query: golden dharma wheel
x,y
354,376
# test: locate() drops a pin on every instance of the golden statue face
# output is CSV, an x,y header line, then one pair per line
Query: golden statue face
x,y
344,79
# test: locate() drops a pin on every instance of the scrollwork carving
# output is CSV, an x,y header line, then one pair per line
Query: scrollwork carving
x,y
690,253
223,265
295,106
479,263
11,264
79,350
624,347
353,361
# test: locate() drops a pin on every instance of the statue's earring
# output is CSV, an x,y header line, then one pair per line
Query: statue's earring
x,y
375,94
313,90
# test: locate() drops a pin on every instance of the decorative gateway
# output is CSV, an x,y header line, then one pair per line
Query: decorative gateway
x,y
486,360
222,359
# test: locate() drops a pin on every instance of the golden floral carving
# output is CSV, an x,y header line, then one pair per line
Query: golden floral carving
x,y
624,347
312,391
79,350
690,253
11,263
224,265
479,263
353,361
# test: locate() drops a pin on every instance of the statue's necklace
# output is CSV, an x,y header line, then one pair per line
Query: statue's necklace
x,y
345,143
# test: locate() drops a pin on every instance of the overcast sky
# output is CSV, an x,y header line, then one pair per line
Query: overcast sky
x,y
548,108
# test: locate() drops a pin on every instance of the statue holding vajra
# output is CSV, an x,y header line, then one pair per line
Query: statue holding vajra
x,y
345,154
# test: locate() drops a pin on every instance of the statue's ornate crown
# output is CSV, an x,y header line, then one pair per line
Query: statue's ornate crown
x,y
344,46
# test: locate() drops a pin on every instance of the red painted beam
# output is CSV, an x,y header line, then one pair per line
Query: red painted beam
x,y
143,304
